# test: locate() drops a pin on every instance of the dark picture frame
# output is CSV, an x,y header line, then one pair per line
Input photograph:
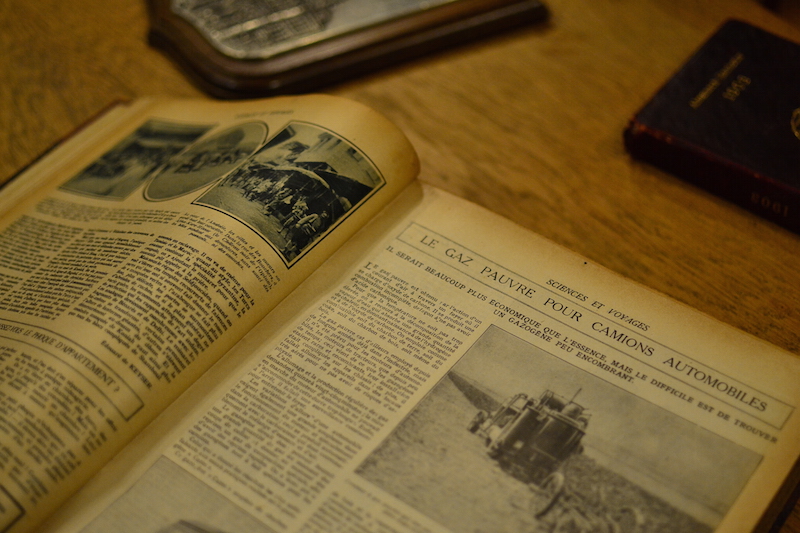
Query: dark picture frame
x,y
197,35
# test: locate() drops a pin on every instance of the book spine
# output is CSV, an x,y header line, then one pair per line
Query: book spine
x,y
754,192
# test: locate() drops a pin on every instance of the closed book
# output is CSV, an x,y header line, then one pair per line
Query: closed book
x,y
729,121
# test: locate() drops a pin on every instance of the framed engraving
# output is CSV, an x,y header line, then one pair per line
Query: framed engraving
x,y
262,47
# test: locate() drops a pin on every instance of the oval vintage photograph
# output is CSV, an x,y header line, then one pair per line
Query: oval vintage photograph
x,y
206,161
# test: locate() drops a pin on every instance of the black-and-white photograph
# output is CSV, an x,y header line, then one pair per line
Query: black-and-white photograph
x,y
167,499
296,188
206,161
259,29
515,439
121,170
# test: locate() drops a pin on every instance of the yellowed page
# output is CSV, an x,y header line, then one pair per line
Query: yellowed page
x,y
140,251
382,401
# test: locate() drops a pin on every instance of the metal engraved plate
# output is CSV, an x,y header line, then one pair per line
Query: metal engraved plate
x,y
261,29
250,48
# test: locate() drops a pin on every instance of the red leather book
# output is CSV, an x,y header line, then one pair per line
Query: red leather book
x,y
729,121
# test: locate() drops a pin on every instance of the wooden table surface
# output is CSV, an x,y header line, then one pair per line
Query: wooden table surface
x,y
528,124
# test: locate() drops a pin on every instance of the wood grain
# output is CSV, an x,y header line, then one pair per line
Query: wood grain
x,y
528,124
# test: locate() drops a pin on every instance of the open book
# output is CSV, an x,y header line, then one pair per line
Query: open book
x,y
230,317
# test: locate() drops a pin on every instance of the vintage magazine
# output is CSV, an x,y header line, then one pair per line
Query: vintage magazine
x,y
229,317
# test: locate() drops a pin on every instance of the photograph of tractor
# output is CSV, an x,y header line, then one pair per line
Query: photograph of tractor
x,y
575,453
532,438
